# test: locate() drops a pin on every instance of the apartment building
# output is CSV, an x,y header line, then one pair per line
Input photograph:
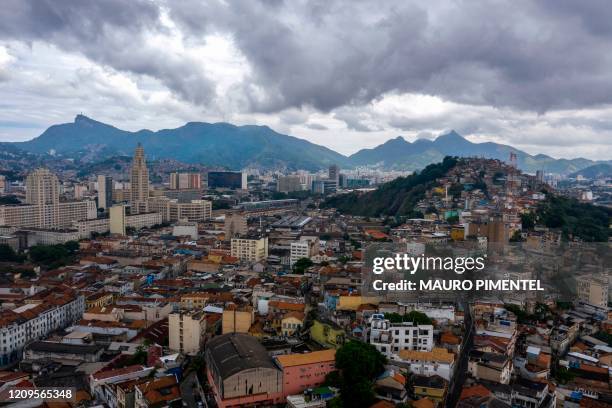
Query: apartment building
x,y
42,314
173,210
390,338
183,181
287,184
250,249
186,329
593,290
438,361
58,215
306,247
235,224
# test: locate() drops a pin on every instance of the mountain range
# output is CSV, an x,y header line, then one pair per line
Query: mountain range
x,y
237,147
400,154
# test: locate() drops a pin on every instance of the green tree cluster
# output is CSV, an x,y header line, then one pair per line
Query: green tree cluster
x,y
301,265
54,256
581,220
397,197
359,364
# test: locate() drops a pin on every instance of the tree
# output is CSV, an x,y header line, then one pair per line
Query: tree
x,y
516,236
453,219
7,254
301,265
528,221
359,364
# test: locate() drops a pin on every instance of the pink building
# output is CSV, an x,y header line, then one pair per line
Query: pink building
x,y
303,371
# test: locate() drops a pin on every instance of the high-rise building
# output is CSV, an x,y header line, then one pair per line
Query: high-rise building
x,y
333,173
250,249
187,331
117,219
42,187
287,184
235,224
139,178
105,191
227,179
44,210
183,181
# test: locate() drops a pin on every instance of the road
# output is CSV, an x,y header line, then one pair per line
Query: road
x,y
456,385
190,390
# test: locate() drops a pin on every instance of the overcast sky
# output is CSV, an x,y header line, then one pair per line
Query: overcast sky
x,y
344,74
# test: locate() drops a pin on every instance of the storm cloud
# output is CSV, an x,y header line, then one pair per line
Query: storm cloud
x,y
517,71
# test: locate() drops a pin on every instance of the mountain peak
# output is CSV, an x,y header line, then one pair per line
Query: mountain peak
x,y
452,135
82,118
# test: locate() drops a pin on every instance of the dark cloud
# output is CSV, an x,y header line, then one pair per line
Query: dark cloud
x,y
531,56
110,32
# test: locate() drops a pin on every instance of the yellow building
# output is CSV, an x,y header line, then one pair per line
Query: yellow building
x,y
353,302
251,250
237,320
433,387
194,301
458,233
99,300
292,322
327,334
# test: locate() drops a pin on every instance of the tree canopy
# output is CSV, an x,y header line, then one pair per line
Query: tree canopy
x,y
359,364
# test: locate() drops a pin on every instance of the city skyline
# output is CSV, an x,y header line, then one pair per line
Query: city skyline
x,y
409,70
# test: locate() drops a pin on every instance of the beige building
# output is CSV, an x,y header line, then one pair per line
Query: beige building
x,y
185,181
250,249
139,178
287,184
42,187
87,227
117,219
237,320
39,236
44,210
172,210
59,215
235,224
186,331
593,290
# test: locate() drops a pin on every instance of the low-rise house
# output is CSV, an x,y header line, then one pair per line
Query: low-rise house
x,y
433,387
438,361
307,370
391,386
490,366
327,333
158,393
292,323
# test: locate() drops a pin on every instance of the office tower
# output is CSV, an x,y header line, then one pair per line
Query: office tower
x,y
42,187
3,184
105,192
117,219
288,184
333,173
139,177
183,181
227,179
540,176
